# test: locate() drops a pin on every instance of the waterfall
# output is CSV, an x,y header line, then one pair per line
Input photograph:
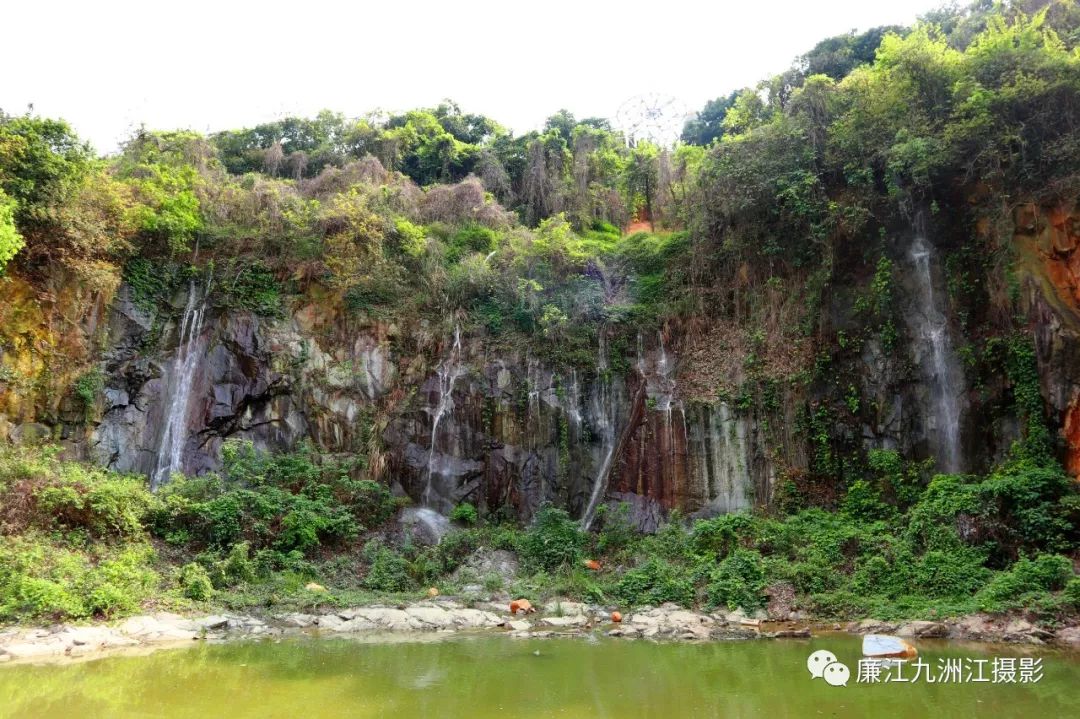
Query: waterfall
x,y
665,371
574,404
171,449
943,373
448,372
725,451
604,413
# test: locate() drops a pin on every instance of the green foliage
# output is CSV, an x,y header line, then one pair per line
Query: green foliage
x,y
553,540
294,501
94,500
708,124
88,387
655,582
147,283
616,530
249,285
42,578
470,239
465,513
738,581
41,162
195,582
1014,589
159,167
411,239
10,239
387,571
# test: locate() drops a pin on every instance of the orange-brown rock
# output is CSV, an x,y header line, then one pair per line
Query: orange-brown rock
x,y
521,605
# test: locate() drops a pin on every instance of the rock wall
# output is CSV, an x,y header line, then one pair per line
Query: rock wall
x,y
1048,263
446,417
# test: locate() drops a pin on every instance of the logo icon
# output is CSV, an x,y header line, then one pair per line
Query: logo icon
x,y
823,665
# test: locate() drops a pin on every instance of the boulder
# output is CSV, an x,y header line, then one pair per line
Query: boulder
x,y
30,433
576,620
1068,635
564,608
330,622
301,621
923,630
872,626
425,526
431,617
159,628
212,622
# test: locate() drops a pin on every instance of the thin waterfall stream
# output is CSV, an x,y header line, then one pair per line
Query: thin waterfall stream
x,y
604,412
174,433
943,373
448,372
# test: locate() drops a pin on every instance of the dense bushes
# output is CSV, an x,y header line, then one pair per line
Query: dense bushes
x,y
77,543
77,540
553,541
40,577
285,502
37,491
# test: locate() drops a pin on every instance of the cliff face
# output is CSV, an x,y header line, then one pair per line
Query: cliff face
x,y
1047,241
465,420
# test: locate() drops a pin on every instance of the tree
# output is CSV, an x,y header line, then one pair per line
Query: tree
x,y
563,123
708,125
40,161
839,55
642,179
10,239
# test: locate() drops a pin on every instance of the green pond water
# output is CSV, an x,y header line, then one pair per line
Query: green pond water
x,y
496,676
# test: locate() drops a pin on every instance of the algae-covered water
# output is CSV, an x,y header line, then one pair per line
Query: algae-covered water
x,y
496,676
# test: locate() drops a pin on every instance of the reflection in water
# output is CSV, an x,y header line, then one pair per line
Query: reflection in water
x,y
501,677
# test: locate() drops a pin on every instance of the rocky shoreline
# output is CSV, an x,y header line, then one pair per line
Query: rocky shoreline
x,y
443,615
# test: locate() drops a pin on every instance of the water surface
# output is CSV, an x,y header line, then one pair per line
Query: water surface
x,y
496,676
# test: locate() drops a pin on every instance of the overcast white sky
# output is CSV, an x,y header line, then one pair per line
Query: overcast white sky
x,y
110,65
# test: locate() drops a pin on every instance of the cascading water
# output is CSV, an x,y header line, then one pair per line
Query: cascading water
x,y
448,372
603,411
174,434
573,409
943,373
665,396
720,454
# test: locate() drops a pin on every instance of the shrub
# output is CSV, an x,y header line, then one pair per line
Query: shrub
x,y
294,501
455,548
720,536
465,513
387,571
655,582
195,582
1015,588
38,490
738,581
616,532
959,573
100,501
40,578
553,541
470,239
